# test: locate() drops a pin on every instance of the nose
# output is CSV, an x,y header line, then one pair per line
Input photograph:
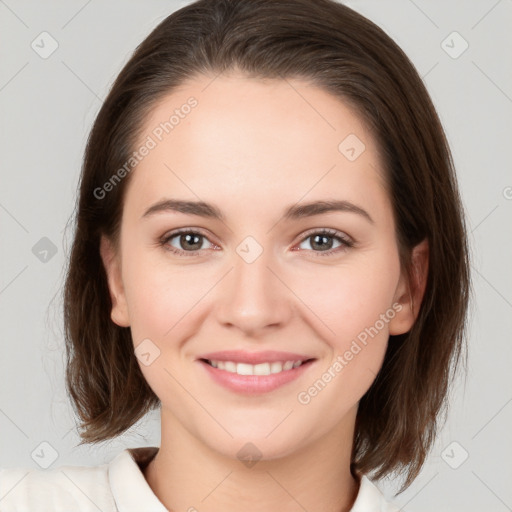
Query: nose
x,y
253,297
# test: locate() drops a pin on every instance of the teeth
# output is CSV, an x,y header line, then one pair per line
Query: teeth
x,y
255,369
288,365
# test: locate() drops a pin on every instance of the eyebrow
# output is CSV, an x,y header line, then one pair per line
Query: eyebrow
x,y
293,212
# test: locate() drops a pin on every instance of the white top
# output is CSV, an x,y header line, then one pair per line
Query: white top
x,y
118,486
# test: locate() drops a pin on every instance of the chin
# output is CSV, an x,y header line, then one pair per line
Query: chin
x,y
250,448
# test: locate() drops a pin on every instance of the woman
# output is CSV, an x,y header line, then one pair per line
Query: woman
x,y
270,246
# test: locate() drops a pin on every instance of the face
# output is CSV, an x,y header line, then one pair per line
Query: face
x,y
269,274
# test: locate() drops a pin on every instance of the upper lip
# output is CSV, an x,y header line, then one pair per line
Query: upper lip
x,y
241,356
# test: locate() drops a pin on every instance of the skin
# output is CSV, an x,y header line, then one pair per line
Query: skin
x,y
253,147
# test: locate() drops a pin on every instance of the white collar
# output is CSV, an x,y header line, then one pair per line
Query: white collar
x,y
129,487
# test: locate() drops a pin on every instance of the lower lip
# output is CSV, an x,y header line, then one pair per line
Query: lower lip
x,y
254,384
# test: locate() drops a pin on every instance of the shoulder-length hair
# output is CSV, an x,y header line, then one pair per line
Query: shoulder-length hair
x,y
334,47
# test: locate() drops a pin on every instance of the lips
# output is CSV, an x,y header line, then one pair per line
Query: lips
x,y
267,356
254,372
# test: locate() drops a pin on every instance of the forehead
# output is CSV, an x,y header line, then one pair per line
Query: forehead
x,y
236,140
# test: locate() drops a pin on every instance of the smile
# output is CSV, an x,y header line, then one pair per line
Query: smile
x,y
253,379
266,368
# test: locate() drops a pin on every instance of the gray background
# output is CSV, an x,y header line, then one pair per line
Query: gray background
x,y
47,107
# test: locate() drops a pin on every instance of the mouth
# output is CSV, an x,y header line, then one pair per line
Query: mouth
x,y
254,373
261,369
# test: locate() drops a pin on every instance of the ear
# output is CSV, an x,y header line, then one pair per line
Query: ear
x,y
409,292
110,258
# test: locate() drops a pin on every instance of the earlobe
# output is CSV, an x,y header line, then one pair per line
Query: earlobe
x,y
410,291
119,312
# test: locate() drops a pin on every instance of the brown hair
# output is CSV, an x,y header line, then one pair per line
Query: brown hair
x,y
349,56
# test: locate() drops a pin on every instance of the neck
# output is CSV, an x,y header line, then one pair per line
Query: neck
x,y
186,474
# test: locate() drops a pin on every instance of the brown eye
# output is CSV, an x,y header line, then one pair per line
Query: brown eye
x,y
323,242
184,242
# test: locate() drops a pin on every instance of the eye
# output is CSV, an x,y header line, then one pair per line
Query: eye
x,y
323,240
187,242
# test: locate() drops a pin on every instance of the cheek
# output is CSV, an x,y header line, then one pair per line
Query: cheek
x,y
164,304
355,302
161,296
350,297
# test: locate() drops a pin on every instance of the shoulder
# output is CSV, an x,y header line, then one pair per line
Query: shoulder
x,y
69,488
370,497
119,485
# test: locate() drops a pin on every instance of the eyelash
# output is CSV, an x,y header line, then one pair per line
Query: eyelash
x,y
346,243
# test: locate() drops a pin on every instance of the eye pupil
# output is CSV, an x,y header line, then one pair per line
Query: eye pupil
x,y
187,239
322,245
